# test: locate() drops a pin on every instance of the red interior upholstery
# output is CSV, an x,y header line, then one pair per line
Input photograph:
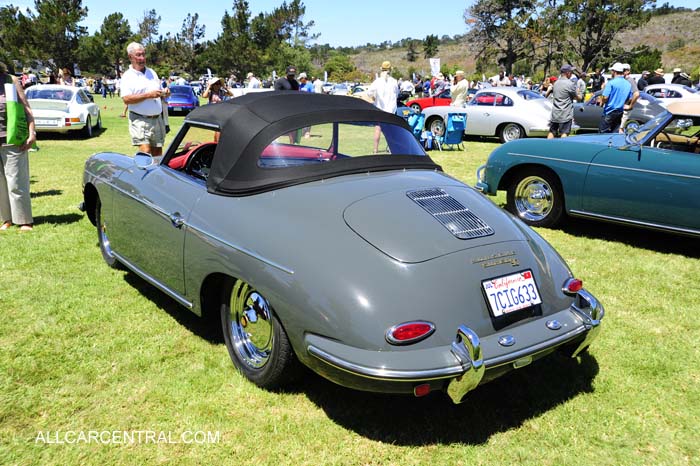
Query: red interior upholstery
x,y
180,162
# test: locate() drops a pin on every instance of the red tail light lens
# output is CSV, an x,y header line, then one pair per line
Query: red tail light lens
x,y
409,332
572,286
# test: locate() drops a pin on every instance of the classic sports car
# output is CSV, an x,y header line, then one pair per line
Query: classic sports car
x,y
59,109
648,178
182,99
379,272
668,93
587,115
507,112
420,104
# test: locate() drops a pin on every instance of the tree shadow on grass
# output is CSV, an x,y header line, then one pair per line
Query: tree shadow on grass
x,y
497,406
50,192
62,219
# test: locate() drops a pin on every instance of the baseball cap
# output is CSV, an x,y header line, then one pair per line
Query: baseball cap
x,y
645,73
291,70
677,70
626,66
566,68
617,67
302,75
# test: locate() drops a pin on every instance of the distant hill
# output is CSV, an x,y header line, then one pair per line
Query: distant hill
x,y
680,31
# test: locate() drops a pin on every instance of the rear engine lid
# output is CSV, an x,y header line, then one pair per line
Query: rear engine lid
x,y
421,224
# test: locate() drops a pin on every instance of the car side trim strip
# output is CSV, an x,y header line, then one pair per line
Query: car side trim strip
x,y
150,279
602,165
622,220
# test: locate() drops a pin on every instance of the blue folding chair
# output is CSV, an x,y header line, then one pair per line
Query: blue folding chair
x,y
416,122
454,130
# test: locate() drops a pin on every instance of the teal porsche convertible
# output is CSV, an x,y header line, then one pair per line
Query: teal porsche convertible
x,y
648,177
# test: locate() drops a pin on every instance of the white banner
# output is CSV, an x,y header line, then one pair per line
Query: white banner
x,y
434,66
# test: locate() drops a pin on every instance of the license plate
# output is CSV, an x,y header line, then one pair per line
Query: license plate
x,y
46,122
511,293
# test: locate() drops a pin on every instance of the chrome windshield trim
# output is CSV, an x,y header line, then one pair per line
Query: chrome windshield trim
x,y
150,279
603,165
623,220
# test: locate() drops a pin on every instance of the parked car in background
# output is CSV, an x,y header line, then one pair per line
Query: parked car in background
x,y
667,93
60,109
506,112
648,178
339,89
587,115
377,271
182,100
197,87
444,98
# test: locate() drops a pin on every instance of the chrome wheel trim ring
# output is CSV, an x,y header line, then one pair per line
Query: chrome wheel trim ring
x,y
511,132
533,198
251,327
437,127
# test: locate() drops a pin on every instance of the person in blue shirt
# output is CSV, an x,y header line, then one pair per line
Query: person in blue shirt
x,y
615,97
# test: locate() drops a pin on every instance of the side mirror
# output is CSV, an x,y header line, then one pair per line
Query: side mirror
x,y
143,160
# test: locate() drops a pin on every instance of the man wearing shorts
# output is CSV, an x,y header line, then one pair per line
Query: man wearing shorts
x,y
142,93
563,95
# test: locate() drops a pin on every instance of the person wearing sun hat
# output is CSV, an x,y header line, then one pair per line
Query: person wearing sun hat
x,y
17,135
616,95
216,91
383,92
459,90
657,78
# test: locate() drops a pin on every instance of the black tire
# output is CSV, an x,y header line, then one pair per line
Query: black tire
x,y
87,131
536,197
103,239
255,339
510,132
98,126
436,126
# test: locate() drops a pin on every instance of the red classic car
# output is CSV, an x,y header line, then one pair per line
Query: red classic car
x,y
443,98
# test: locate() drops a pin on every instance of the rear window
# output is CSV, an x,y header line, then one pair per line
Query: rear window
x,y
51,94
329,142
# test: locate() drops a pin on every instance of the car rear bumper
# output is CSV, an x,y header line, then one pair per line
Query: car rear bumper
x,y
466,363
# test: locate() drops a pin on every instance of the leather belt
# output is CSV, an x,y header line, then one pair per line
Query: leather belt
x,y
145,116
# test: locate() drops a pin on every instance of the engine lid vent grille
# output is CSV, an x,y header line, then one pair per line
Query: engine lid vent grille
x,y
447,210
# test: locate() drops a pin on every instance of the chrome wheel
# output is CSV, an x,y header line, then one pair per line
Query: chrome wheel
x,y
535,196
254,336
511,132
251,326
416,108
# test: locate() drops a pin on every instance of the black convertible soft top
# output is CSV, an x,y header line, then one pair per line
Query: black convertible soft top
x,y
250,122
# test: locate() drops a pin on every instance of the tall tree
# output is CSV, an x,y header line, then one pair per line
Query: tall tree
x,y
430,46
499,29
55,32
13,32
296,31
412,52
115,33
148,27
593,24
188,41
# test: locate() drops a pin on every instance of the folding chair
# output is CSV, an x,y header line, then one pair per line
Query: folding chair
x,y
454,130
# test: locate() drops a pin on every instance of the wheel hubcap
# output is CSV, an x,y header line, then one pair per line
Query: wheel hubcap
x,y
534,198
511,132
437,127
251,327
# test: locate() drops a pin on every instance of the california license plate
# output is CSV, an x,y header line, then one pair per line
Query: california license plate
x,y
41,122
511,293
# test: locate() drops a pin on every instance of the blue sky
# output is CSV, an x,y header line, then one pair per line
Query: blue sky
x,y
351,23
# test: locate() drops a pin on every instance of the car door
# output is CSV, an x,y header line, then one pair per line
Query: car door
x,y
648,185
151,208
587,115
480,114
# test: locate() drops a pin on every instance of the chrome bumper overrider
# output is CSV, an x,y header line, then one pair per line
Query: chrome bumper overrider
x,y
467,366
481,185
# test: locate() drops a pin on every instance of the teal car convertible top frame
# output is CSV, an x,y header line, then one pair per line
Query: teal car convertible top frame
x,y
648,178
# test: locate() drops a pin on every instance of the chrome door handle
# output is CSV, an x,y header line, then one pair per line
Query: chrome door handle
x,y
177,220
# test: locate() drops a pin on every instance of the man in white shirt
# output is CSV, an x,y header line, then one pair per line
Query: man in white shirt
x,y
459,90
253,82
383,91
141,92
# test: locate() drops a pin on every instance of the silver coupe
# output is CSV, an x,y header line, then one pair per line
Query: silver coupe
x,y
317,231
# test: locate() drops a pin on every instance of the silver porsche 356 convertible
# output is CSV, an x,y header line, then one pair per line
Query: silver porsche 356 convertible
x,y
320,233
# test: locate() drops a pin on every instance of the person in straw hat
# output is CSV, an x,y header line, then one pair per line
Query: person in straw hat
x,y
459,90
657,78
216,90
383,92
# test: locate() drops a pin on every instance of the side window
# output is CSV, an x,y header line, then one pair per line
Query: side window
x,y
194,152
503,101
485,98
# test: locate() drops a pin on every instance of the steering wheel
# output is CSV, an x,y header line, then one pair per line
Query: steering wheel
x,y
199,162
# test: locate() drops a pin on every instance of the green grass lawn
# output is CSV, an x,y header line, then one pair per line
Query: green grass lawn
x,y
85,348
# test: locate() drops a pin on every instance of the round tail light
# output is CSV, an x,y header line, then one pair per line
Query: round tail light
x,y
409,332
572,286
